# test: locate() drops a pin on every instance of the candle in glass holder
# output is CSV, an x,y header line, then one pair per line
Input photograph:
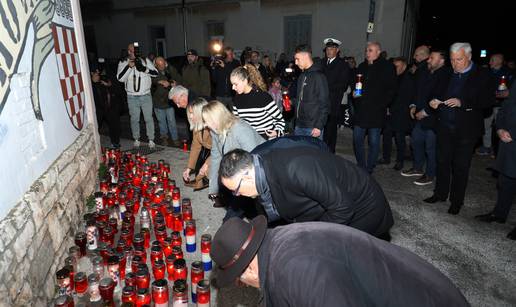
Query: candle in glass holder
x,y
144,218
196,274
158,269
187,215
176,196
176,238
203,293
80,240
98,266
160,293
146,237
64,282
180,293
143,297
113,222
138,240
169,217
142,279
177,222
122,265
114,270
180,269
160,232
81,283
104,186
169,260
64,301
106,289
141,252
103,215
75,251
190,236
71,261
129,295
177,252
93,287
130,279
166,244
205,252
156,253
108,236
358,86
92,235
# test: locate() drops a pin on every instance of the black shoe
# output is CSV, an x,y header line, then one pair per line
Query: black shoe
x,y
489,217
433,199
454,209
512,234
383,162
398,166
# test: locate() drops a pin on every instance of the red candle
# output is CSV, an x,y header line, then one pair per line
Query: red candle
x,y
166,244
177,224
135,261
146,237
142,279
176,238
177,252
143,297
158,269
156,253
180,293
80,240
205,251
71,270
190,236
196,274
140,251
187,214
170,266
160,232
138,240
103,215
176,196
64,281
114,269
160,293
113,222
203,293
185,146
129,295
106,288
130,279
81,283
64,301
180,269
126,235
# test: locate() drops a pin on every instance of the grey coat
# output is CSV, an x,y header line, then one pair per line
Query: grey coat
x,y
240,136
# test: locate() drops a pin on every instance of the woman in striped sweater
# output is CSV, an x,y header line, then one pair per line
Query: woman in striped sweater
x,y
254,105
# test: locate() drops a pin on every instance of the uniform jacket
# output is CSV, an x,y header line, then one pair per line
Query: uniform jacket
x,y
322,264
337,74
308,184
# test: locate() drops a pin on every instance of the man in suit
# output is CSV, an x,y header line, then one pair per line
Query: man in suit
x,y
337,74
505,163
470,90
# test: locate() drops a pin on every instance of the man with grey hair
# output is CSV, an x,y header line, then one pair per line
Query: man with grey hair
x,y
181,96
471,89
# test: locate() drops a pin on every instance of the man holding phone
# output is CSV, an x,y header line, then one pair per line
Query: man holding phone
x,y
222,66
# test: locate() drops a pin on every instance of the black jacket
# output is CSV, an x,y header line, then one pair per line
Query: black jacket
x,y
399,119
308,184
506,119
478,93
322,264
313,102
337,74
378,90
220,76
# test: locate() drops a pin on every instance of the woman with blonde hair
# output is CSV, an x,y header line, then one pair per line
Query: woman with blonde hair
x,y
227,133
199,159
253,104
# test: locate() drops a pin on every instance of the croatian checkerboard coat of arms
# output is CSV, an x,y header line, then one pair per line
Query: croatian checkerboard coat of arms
x,y
67,57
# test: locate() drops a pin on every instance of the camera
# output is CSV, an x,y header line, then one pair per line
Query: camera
x,y
137,53
138,60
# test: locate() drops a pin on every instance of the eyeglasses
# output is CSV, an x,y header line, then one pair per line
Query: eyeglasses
x,y
236,192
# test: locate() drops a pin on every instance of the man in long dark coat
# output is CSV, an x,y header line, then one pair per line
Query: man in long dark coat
x,y
305,184
322,264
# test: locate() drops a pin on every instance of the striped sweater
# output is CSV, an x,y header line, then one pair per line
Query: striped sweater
x,y
260,111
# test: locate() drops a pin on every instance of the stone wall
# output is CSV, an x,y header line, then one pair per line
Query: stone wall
x,y
37,232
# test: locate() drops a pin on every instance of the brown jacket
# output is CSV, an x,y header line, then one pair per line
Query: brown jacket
x,y
200,139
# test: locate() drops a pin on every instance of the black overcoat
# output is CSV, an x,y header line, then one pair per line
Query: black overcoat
x,y
506,119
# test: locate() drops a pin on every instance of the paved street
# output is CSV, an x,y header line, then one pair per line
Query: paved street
x,y
476,256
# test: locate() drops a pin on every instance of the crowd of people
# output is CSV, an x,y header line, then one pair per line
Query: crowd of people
x,y
265,149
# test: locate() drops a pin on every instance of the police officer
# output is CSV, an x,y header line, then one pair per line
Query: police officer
x,y
337,73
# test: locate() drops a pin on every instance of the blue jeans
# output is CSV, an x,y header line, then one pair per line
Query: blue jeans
x,y
167,122
424,143
307,132
143,103
373,138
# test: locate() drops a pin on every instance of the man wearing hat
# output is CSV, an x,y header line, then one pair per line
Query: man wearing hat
x,y
196,76
337,74
323,264
302,184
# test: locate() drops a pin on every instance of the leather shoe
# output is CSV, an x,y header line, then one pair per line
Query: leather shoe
x,y
512,234
454,209
489,217
433,199
202,184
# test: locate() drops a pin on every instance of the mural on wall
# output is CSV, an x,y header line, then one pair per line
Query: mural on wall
x,y
52,24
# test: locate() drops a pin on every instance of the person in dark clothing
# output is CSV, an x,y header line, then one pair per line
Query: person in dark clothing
x,y
471,89
505,162
321,264
337,74
370,109
255,60
313,102
221,71
431,82
398,122
107,106
281,64
303,184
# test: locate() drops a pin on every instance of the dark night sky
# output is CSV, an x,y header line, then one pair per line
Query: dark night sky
x,y
485,24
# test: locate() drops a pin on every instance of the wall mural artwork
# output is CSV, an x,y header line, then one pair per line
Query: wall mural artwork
x,y
52,23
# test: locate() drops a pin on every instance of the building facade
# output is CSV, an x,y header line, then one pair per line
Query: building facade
x,y
270,26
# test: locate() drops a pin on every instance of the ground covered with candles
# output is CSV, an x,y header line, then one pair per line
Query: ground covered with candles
x,y
475,256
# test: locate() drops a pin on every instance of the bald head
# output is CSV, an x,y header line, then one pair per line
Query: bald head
x,y
421,53
160,63
373,51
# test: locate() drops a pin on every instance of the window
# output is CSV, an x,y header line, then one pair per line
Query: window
x,y
215,29
298,30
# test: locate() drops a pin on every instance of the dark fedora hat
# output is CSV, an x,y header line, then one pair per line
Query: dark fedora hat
x,y
234,246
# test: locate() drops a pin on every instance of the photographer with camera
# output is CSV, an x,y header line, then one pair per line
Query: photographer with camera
x,y
222,66
136,72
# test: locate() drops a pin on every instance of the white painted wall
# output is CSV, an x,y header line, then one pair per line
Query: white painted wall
x,y
258,24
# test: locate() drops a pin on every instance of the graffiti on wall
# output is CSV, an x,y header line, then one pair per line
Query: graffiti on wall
x,y
52,23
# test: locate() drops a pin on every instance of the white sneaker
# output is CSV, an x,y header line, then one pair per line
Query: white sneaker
x,y
136,143
152,144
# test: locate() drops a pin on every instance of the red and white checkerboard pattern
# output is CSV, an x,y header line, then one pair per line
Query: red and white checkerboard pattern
x,y
70,75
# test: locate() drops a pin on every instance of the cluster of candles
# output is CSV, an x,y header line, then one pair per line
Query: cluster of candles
x,y
137,195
